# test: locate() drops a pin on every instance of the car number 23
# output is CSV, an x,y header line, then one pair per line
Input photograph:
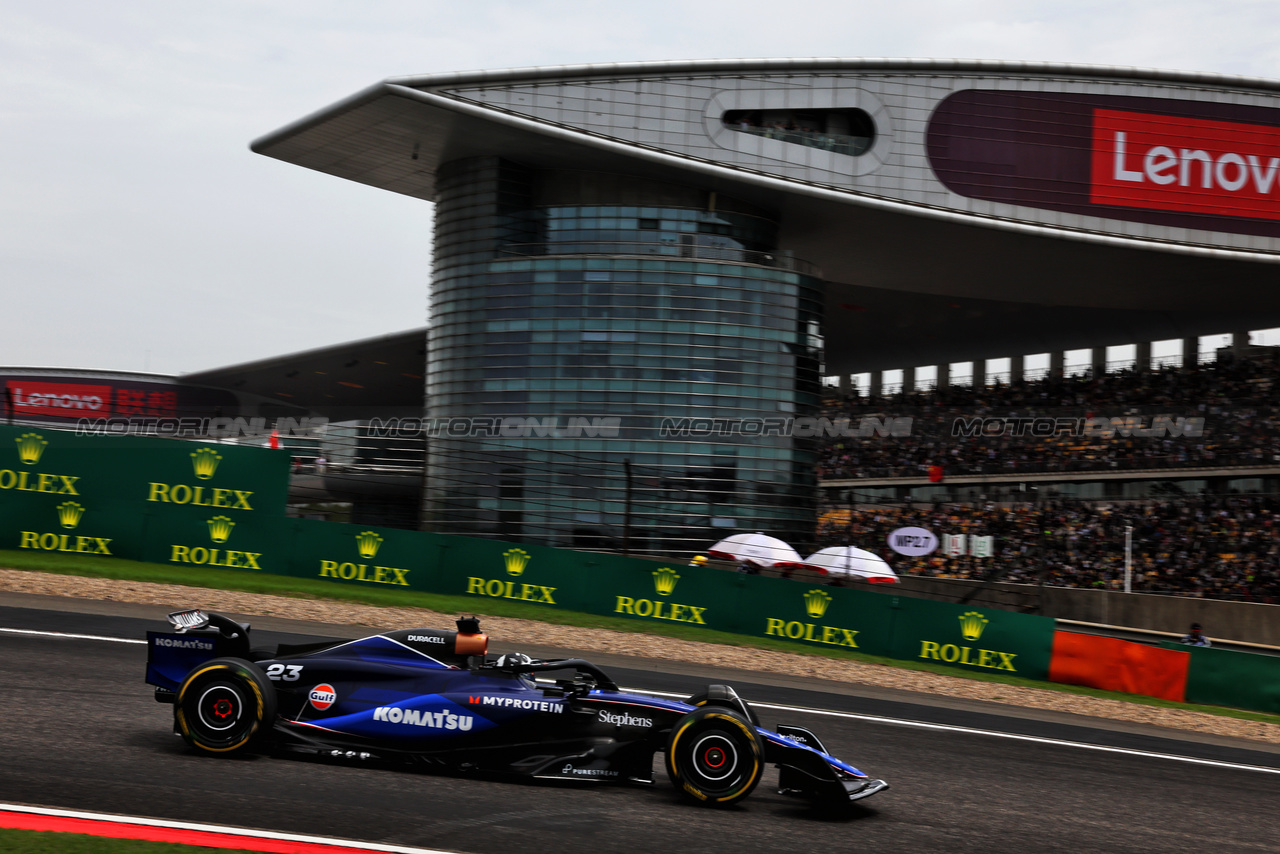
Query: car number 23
x,y
284,672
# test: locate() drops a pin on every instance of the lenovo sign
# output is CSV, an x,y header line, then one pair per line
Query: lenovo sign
x,y
1167,163
1198,164
66,400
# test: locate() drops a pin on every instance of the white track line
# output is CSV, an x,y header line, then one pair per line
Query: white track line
x,y
71,636
993,734
217,828
852,716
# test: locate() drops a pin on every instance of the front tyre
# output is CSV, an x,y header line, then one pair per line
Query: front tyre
x,y
224,706
714,756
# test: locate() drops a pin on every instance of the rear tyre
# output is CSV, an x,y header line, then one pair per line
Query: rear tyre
x,y
714,756
224,706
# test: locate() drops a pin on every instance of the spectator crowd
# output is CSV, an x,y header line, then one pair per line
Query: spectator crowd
x,y
1219,547
1236,400
1213,546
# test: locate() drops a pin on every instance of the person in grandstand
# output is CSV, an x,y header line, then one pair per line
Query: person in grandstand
x,y
1196,637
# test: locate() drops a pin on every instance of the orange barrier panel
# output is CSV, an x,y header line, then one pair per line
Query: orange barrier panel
x,y
1119,665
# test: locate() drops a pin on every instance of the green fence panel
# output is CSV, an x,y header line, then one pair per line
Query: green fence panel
x,y
978,639
669,593
1238,680
814,616
62,491
364,555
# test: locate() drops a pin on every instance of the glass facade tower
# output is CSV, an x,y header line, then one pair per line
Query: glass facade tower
x,y
614,362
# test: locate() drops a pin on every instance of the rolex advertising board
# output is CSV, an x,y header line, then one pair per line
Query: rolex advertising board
x,y
365,556
817,615
533,575
666,593
979,639
128,496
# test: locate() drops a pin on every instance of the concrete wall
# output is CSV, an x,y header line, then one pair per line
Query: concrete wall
x,y
1249,622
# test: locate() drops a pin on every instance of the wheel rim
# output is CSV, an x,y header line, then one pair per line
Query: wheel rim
x,y
219,709
715,758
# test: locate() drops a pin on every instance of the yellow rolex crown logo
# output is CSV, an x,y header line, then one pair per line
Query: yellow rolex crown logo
x,y
971,625
205,462
664,580
516,560
220,528
816,602
69,514
368,542
30,447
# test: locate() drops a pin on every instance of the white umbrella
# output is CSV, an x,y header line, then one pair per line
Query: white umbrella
x,y
846,561
759,549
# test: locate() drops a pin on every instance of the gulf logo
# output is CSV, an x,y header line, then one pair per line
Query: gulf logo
x,y
323,696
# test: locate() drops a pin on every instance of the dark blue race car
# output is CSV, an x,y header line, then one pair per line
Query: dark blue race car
x,y
435,698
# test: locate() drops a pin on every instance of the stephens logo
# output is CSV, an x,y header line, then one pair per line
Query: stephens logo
x,y
1168,163
323,696
623,719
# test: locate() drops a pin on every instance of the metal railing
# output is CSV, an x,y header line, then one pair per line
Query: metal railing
x,y
667,250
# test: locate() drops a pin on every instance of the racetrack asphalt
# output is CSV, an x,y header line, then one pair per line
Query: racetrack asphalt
x,y
81,731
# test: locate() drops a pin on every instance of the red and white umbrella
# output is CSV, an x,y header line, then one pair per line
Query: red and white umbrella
x,y
851,562
759,549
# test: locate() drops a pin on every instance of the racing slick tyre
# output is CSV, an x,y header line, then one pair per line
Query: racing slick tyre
x,y
714,756
224,706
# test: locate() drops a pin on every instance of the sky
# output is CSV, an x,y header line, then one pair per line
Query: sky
x,y
139,233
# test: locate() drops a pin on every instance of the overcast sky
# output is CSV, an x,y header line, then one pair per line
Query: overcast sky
x,y
137,230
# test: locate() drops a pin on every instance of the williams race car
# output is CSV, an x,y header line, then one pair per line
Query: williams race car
x,y
436,698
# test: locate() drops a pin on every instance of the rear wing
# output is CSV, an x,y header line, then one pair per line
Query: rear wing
x,y
196,637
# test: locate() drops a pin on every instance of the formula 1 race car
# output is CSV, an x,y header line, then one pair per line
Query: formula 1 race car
x,y
435,698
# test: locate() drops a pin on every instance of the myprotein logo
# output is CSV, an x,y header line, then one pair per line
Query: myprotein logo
x,y
1169,163
64,400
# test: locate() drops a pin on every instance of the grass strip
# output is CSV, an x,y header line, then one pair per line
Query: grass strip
x,y
307,588
46,842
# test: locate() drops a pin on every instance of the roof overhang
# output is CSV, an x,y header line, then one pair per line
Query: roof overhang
x,y
927,284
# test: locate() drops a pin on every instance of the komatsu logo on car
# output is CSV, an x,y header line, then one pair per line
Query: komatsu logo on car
x,y
189,643
426,639
518,703
418,717
623,719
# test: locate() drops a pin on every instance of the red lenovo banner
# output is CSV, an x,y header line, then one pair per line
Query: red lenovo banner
x,y
42,398
1198,163
65,400
1171,163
